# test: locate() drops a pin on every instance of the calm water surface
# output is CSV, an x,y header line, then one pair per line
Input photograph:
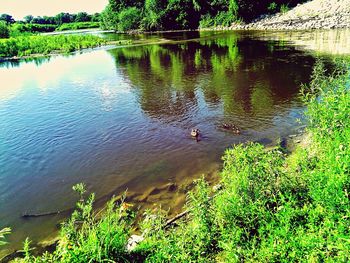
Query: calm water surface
x,y
120,118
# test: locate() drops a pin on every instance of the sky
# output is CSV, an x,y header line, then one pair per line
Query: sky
x,y
20,8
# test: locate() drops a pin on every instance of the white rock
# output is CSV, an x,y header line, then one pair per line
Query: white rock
x,y
133,241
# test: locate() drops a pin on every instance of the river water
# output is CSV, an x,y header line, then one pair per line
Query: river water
x,y
120,118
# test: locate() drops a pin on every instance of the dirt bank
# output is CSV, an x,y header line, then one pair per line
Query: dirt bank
x,y
315,14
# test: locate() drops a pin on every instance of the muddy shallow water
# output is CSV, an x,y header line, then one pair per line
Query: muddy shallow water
x,y
121,118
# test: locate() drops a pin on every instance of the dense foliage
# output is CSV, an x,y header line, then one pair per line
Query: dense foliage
x,y
271,208
28,45
185,14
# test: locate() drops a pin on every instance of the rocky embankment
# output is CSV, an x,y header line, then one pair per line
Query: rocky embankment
x,y
315,14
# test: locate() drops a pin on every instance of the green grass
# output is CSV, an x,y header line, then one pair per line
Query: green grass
x,y
272,207
78,25
37,44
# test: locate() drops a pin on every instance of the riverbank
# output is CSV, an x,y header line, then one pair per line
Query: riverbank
x,y
270,206
315,14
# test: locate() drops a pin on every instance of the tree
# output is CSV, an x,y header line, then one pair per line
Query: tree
x,y
38,20
49,20
4,30
62,18
154,13
28,18
95,17
129,19
109,18
7,18
82,17
182,15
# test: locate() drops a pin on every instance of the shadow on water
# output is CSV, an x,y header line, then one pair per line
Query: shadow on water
x,y
246,77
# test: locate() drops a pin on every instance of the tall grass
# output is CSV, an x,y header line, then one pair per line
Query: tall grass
x,y
28,45
272,207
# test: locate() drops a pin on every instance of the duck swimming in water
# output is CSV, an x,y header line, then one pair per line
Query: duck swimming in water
x,y
231,127
195,133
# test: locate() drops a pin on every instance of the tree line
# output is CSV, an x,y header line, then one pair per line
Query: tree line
x,y
124,15
58,19
62,21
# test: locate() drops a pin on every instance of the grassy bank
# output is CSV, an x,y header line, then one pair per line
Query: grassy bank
x,y
28,45
272,207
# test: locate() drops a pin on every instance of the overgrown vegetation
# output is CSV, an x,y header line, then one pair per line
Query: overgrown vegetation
x,y
28,45
272,207
188,14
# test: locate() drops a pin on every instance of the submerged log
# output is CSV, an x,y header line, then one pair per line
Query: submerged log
x,y
27,215
175,218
